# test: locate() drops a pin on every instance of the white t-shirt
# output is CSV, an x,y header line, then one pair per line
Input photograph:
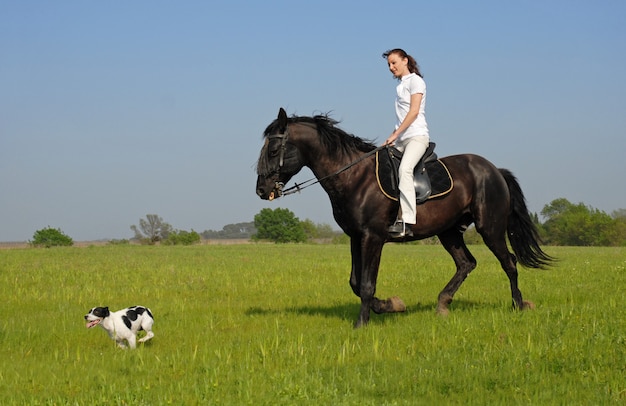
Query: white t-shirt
x,y
409,85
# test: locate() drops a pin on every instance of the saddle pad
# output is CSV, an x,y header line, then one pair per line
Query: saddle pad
x,y
440,180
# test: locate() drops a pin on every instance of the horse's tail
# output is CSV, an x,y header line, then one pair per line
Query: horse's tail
x,y
523,234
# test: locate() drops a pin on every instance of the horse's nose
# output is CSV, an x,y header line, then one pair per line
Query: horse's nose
x,y
261,189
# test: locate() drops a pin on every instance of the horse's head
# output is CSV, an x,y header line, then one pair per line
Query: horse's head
x,y
279,161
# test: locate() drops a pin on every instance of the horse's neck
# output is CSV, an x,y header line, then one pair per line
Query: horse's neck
x,y
324,165
336,176
330,171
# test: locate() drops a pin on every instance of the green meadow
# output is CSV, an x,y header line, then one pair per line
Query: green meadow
x,y
266,324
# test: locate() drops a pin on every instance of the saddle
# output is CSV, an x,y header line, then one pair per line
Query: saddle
x,y
431,177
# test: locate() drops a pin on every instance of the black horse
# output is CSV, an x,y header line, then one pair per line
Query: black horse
x,y
489,197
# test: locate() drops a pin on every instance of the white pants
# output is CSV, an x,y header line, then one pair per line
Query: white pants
x,y
412,148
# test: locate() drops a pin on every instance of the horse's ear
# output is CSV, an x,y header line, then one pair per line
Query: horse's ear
x,y
282,118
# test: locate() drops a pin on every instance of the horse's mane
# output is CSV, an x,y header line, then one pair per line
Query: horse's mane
x,y
334,139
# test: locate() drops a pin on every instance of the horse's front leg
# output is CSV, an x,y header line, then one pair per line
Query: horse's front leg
x,y
365,262
370,249
355,273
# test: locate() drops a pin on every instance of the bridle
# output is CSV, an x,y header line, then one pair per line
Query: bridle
x,y
278,186
283,148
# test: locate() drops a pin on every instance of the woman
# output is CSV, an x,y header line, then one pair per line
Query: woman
x,y
411,132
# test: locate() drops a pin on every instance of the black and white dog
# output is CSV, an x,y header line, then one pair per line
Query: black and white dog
x,y
124,324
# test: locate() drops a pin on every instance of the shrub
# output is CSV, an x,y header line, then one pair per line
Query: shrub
x,y
51,237
182,237
119,242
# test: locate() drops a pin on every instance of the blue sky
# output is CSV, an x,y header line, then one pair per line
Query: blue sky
x,y
113,110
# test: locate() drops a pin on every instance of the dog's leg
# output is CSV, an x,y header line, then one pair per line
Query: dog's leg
x,y
149,335
132,341
146,325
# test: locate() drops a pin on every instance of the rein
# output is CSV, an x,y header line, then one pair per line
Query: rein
x,y
310,182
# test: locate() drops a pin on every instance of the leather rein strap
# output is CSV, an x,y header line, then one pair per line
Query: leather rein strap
x,y
310,182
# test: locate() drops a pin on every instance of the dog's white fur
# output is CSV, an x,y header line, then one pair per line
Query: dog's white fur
x,y
124,324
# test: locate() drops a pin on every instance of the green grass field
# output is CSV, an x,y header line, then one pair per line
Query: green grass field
x,y
272,324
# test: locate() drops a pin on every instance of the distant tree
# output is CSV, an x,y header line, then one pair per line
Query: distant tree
x,y
619,214
278,225
51,237
620,225
341,238
309,228
182,237
326,231
534,217
231,231
578,225
151,230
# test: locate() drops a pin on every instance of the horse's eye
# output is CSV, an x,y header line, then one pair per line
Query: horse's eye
x,y
274,152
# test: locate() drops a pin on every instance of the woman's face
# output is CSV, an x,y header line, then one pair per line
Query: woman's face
x,y
398,66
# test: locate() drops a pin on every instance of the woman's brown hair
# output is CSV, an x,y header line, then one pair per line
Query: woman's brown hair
x,y
412,65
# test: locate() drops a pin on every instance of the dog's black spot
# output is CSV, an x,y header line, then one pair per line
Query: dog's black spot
x,y
132,314
141,310
127,321
100,311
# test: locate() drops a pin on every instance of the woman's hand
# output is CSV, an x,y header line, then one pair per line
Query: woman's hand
x,y
392,139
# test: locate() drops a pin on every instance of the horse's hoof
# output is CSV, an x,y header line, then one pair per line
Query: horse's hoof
x,y
527,305
359,324
397,305
442,311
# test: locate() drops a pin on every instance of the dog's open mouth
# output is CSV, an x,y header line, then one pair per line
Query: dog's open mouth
x,y
92,323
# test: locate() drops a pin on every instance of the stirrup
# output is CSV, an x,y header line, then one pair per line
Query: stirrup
x,y
400,229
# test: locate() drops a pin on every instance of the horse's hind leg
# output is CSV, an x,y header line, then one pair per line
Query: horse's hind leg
x,y
465,262
494,237
497,244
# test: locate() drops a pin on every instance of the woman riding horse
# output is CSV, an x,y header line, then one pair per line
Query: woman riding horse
x,y
489,197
